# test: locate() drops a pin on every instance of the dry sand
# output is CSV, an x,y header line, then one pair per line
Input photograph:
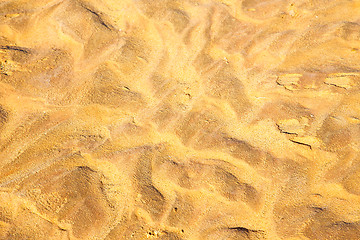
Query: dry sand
x,y
167,119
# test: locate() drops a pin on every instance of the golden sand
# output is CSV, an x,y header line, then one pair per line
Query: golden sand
x,y
166,119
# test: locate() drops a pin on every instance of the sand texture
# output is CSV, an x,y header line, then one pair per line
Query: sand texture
x,y
179,119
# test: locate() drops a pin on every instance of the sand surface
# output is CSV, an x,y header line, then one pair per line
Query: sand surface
x,y
165,119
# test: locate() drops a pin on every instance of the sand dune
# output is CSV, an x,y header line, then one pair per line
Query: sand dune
x,y
179,119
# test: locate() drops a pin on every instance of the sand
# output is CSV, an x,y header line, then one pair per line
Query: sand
x,y
165,119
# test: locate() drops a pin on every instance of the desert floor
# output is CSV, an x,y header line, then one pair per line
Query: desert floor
x,y
179,119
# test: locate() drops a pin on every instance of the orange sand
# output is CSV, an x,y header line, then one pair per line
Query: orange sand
x,y
175,120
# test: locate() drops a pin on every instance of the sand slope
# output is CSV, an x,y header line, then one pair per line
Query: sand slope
x,y
179,119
